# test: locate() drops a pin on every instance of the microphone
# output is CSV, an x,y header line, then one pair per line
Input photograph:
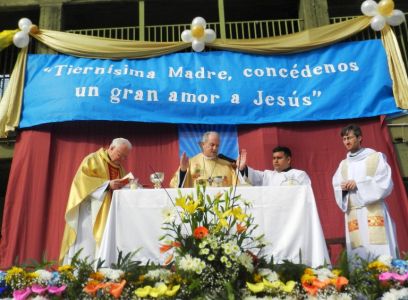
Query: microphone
x,y
229,159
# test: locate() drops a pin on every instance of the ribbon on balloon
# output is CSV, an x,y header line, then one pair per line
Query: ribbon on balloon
x,y
382,13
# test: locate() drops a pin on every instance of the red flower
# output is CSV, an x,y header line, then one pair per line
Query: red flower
x,y
200,232
165,248
241,228
176,244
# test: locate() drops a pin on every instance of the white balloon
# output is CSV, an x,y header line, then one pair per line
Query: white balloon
x,y
24,22
369,8
197,45
25,28
397,17
21,39
186,36
209,35
199,21
377,22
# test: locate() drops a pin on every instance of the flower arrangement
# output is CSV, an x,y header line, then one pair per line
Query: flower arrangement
x,y
21,283
322,282
210,253
211,243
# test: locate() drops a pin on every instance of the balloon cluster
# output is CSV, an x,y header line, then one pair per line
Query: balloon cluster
x,y
198,35
382,13
21,38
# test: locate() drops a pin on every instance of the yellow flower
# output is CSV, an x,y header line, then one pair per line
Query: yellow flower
x,y
239,214
181,201
255,287
379,266
15,271
309,271
188,206
307,278
171,292
65,268
158,290
289,286
257,277
273,285
336,272
97,276
143,292
32,275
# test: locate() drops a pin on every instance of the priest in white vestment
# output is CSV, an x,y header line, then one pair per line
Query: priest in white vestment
x,y
89,200
361,183
283,173
205,168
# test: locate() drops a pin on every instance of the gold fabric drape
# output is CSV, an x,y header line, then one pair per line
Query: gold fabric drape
x,y
10,104
396,67
96,47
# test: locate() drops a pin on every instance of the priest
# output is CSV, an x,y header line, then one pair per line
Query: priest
x,y
282,174
361,183
89,200
205,168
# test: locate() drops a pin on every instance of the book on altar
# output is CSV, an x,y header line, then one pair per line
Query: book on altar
x,y
127,178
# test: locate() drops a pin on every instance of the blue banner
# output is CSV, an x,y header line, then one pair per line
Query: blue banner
x,y
342,81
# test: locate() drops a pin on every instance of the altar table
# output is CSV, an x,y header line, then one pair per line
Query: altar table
x,y
287,215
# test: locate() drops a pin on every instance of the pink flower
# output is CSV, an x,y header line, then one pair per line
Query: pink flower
x,y
21,294
57,290
393,276
38,289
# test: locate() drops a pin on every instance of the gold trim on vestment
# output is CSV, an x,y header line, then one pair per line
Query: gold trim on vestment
x,y
375,212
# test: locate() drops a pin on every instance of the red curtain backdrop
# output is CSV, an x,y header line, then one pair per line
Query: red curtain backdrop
x,y
46,159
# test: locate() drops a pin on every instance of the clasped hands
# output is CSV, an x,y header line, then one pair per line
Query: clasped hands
x,y
348,185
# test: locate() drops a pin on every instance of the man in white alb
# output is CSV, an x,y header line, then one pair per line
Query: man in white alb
x,y
361,183
283,173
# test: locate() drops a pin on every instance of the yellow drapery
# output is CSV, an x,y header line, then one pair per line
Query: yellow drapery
x,y
6,38
96,47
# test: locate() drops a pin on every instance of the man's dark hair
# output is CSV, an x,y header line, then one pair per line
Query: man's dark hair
x,y
285,150
351,127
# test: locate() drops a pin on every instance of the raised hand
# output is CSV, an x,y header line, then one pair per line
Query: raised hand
x,y
184,162
242,159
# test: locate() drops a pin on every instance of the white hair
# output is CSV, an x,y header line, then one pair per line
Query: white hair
x,y
120,141
207,134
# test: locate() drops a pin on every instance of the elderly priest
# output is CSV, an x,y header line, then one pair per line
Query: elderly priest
x,y
206,167
89,200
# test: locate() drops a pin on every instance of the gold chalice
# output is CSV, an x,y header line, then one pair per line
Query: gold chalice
x,y
157,179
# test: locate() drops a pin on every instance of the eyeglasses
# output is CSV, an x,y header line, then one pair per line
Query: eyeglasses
x,y
348,138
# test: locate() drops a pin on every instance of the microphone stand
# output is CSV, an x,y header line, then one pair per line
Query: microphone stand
x,y
237,175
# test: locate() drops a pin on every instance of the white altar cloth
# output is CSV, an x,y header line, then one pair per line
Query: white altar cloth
x,y
287,215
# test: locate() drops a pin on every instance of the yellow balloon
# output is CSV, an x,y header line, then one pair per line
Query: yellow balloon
x,y
385,7
197,31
